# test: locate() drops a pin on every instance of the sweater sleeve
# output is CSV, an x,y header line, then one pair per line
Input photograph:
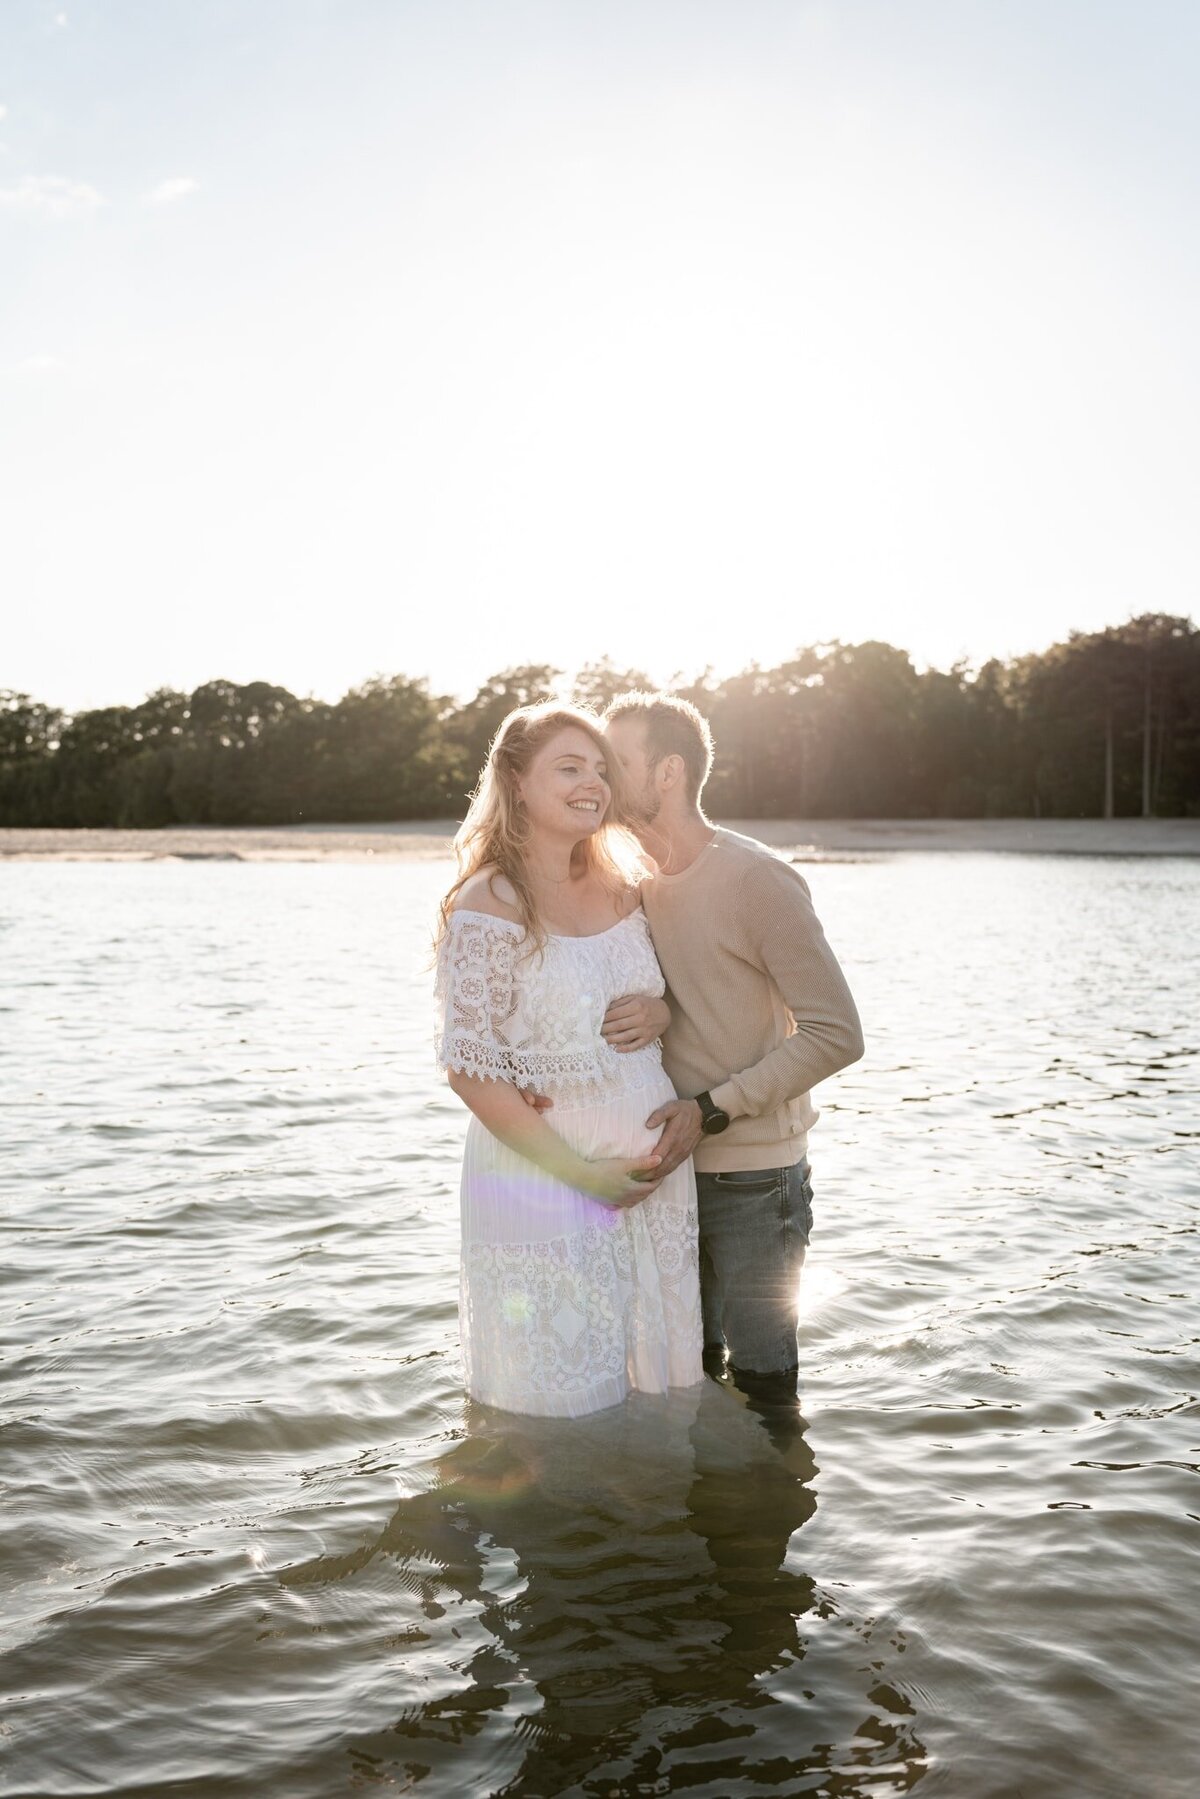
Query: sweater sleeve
x,y
783,937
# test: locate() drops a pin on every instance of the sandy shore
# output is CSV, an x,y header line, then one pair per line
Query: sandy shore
x,y
808,840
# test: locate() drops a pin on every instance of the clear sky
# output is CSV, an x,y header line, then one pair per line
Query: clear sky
x,y
354,336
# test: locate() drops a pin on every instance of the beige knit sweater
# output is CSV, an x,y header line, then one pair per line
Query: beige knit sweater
x,y
760,1009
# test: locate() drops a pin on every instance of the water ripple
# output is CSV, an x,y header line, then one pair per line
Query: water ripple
x,y
255,1541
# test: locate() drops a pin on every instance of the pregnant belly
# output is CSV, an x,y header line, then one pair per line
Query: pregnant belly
x,y
614,1127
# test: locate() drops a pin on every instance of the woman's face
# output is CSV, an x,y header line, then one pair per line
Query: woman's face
x,y
565,788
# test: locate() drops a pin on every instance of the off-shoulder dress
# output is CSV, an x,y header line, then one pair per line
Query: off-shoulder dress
x,y
565,1304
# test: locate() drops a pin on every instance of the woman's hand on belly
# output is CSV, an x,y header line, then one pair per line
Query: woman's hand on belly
x,y
618,1183
635,1021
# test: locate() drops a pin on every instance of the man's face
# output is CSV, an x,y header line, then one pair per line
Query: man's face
x,y
628,739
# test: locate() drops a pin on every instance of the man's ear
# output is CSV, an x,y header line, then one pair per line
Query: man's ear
x,y
672,770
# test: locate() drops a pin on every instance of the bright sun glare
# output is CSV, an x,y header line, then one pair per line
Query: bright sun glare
x,y
680,338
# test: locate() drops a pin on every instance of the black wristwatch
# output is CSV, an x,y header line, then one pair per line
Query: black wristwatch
x,y
713,1120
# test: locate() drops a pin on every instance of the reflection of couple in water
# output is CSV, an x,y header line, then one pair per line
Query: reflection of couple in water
x,y
635,1209
615,1583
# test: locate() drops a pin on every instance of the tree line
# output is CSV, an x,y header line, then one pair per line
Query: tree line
x,y
1106,724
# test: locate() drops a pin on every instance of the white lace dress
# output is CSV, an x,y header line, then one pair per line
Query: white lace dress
x,y
565,1304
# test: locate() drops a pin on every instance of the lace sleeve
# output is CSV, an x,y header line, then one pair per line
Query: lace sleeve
x,y
475,995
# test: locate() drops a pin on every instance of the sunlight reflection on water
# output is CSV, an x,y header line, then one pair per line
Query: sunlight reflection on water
x,y
257,1542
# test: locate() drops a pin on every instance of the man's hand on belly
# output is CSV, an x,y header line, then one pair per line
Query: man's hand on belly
x,y
541,1102
681,1120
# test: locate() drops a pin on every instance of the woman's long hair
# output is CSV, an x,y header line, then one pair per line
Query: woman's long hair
x,y
497,831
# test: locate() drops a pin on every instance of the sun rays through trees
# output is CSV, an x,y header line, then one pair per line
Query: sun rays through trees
x,y
1106,724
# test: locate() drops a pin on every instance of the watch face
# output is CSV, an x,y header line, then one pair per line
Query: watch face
x,y
714,1121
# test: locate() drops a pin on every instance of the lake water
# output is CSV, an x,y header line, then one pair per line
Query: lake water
x,y
254,1541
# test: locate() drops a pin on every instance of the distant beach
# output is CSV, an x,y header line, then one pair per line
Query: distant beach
x,y
815,840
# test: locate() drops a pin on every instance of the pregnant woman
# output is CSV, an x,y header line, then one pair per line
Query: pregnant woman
x,y
580,1269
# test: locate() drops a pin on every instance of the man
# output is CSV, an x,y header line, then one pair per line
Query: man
x,y
760,1012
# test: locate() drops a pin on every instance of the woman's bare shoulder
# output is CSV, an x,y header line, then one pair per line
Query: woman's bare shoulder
x,y
629,899
628,902
642,879
488,891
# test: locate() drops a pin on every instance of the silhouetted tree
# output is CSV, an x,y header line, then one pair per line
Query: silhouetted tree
x,y
393,756
472,727
1105,724
1108,719
598,683
29,733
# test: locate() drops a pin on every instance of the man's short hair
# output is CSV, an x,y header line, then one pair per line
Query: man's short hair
x,y
673,728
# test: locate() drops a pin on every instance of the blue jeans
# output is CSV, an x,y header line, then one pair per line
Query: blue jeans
x,y
754,1230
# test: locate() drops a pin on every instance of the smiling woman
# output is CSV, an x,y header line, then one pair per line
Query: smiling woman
x,y
580,1266
549,827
